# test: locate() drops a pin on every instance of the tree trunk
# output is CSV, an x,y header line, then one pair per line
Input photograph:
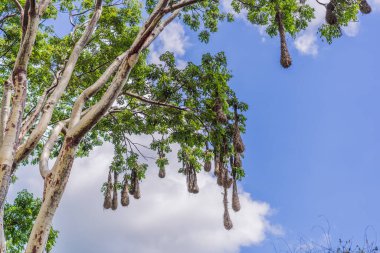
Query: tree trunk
x,y
55,187
9,145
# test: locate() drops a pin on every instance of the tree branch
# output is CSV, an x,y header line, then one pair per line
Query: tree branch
x,y
7,16
90,91
5,107
180,5
29,121
45,155
63,81
160,28
153,102
19,6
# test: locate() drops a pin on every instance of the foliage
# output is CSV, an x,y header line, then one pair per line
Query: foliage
x,y
18,222
193,107
116,30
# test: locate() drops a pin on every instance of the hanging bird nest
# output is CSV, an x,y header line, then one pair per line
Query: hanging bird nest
x,y
227,180
107,195
221,117
220,177
365,8
237,161
226,216
216,164
331,17
136,192
114,197
235,197
124,193
162,173
285,60
133,182
207,166
238,141
191,179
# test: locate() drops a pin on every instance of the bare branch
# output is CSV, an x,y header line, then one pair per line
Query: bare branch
x,y
323,4
90,91
45,155
153,102
7,16
19,6
160,28
29,121
180,5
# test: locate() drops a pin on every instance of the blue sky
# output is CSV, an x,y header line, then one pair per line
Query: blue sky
x,y
313,134
313,149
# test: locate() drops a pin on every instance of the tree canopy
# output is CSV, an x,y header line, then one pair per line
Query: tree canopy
x,y
64,94
18,222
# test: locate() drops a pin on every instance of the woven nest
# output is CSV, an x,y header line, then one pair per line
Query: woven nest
x,y
331,17
114,196
235,198
207,166
137,193
221,117
227,222
191,178
285,60
124,194
237,161
162,173
216,165
107,195
238,142
365,8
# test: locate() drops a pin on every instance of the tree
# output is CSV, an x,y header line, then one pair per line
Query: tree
x,y
18,222
94,85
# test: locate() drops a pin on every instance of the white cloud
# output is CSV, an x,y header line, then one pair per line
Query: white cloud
x,y
173,39
352,29
306,44
166,219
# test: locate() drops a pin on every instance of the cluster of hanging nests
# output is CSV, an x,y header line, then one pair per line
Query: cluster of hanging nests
x,y
330,17
220,169
223,175
111,196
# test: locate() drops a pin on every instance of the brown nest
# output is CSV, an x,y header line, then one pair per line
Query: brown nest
x,y
227,222
137,193
162,173
124,193
114,197
221,117
107,195
285,60
365,8
191,179
235,198
207,166
331,17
